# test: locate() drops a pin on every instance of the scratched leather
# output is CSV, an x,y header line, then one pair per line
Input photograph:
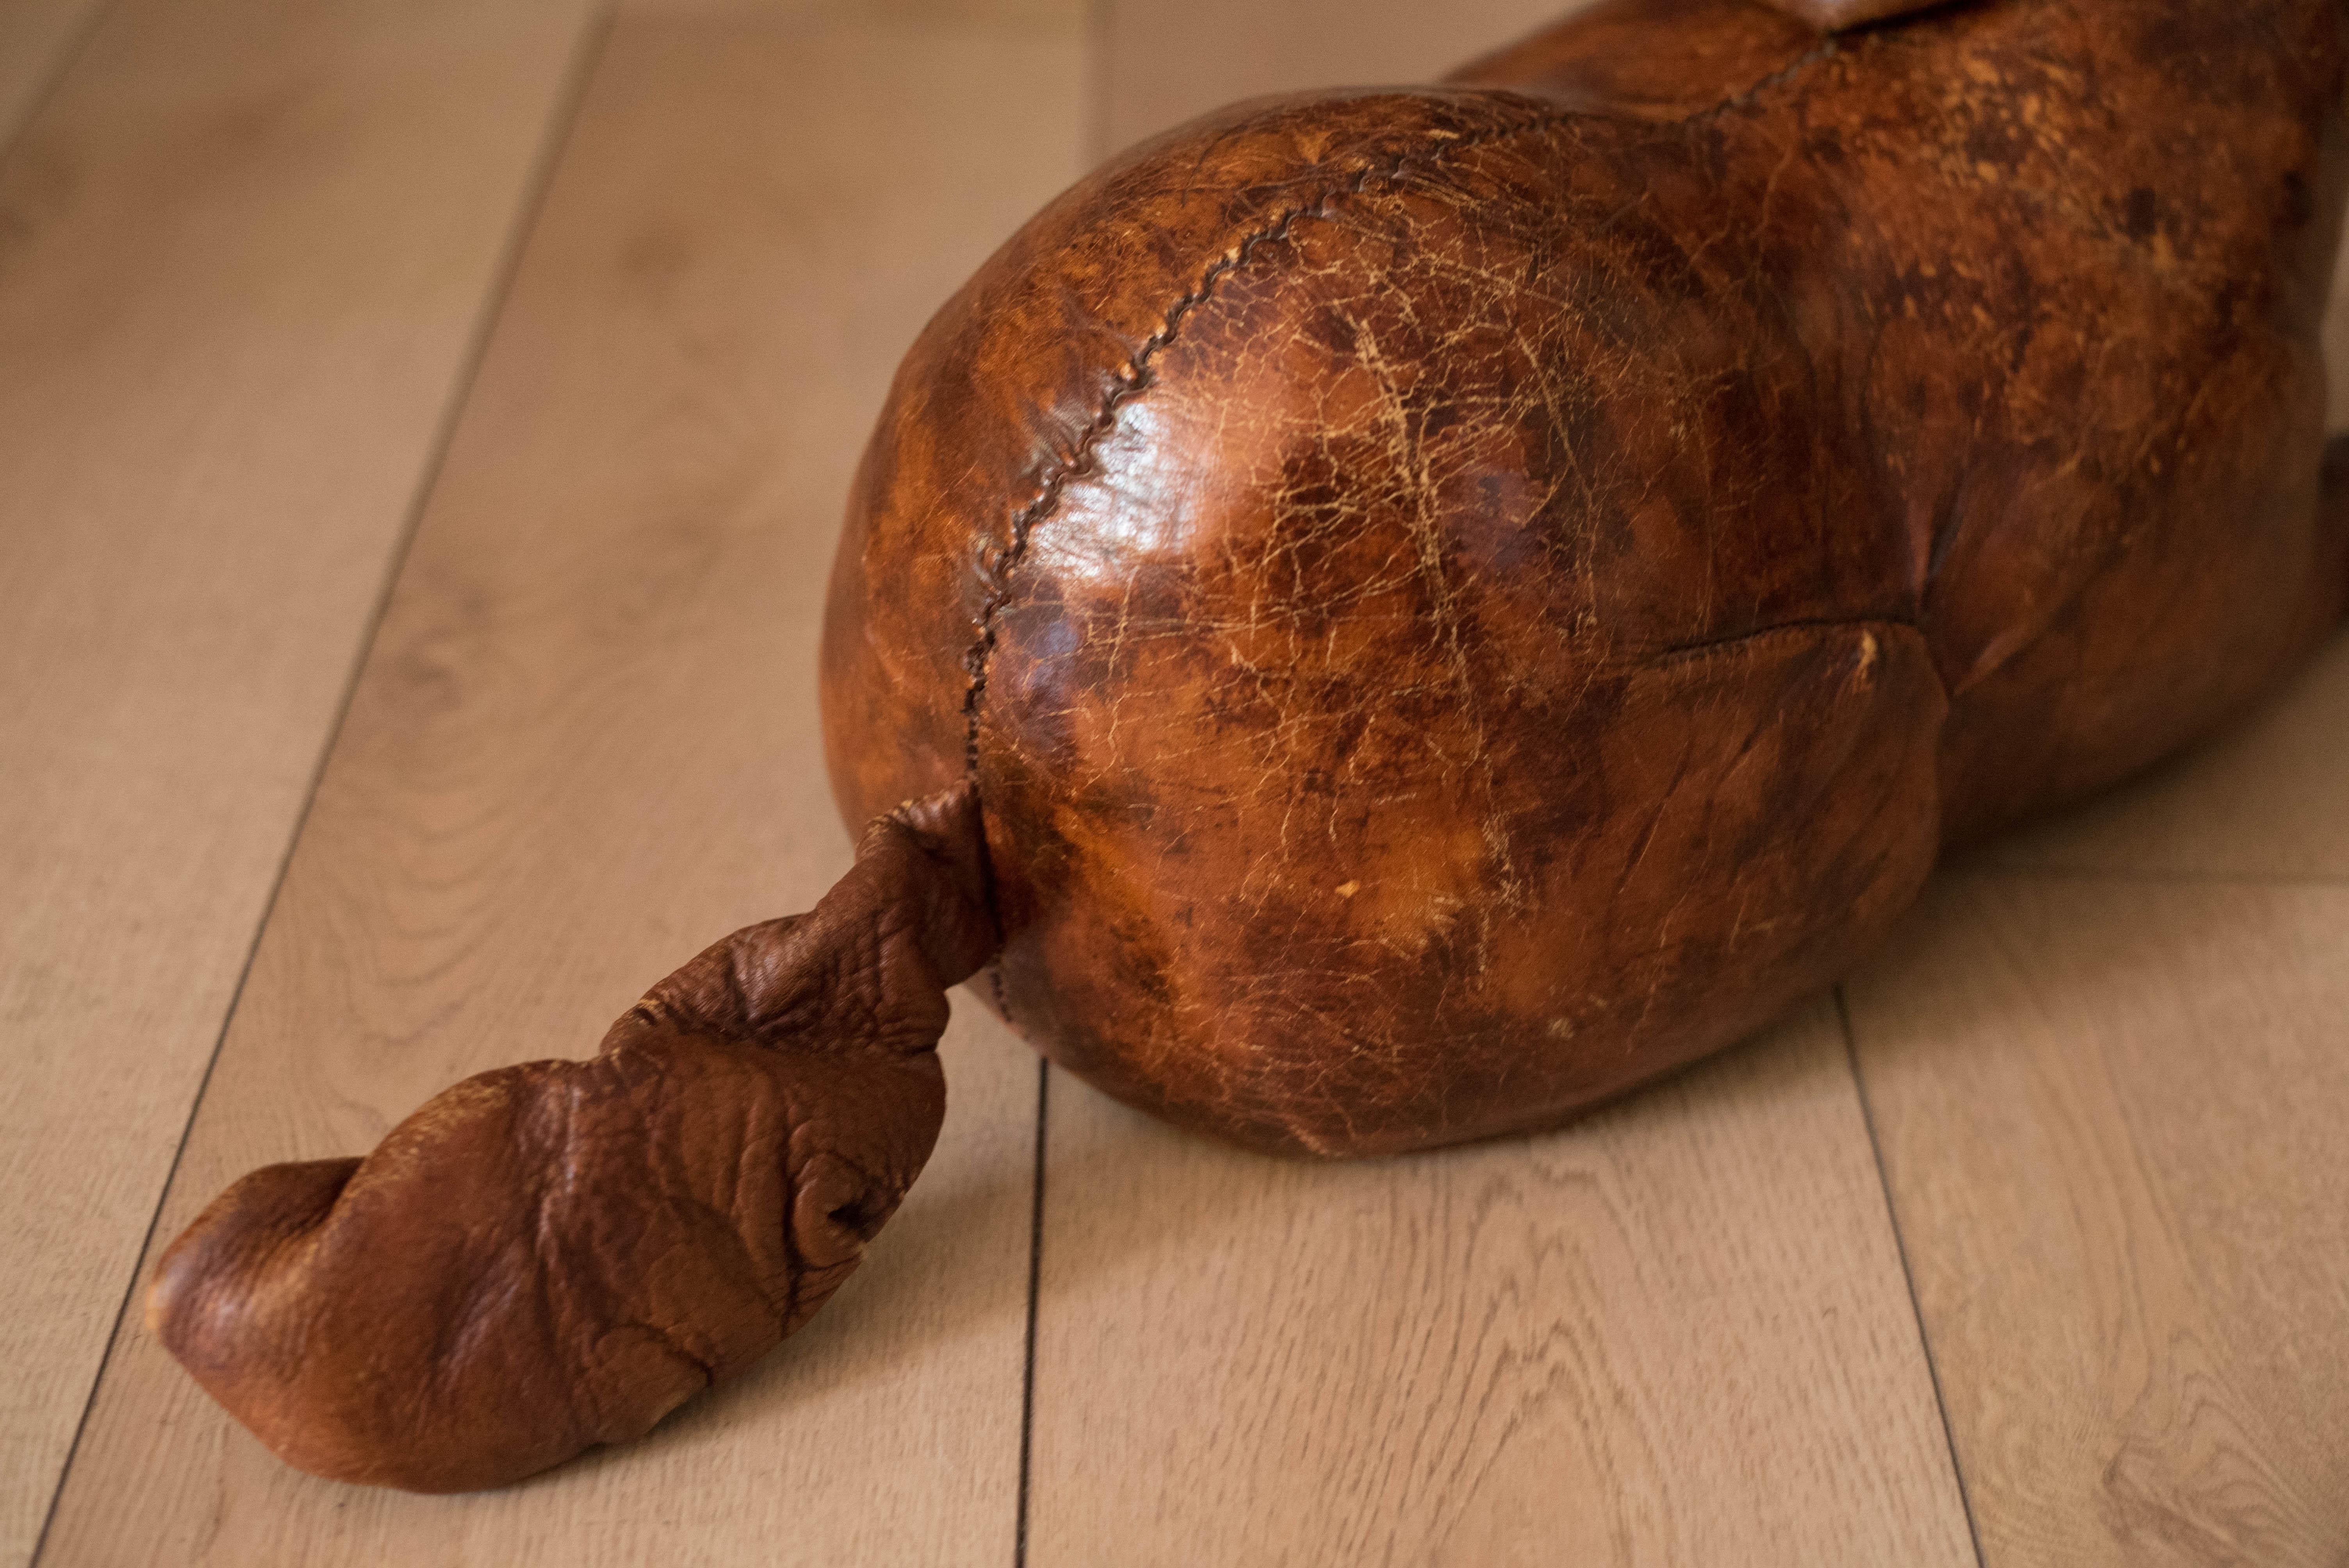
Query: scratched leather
x,y
556,1254
1400,615
1473,598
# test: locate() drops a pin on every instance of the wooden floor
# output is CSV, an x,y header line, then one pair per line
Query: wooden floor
x,y
423,425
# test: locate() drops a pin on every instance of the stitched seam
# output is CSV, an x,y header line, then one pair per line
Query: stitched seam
x,y
1137,376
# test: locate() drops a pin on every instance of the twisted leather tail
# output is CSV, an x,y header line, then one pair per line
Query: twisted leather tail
x,y
557,1254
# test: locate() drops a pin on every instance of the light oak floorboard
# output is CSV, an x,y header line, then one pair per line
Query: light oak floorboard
x,y
2111,1118
245,250
1674,1333
38,38
584,745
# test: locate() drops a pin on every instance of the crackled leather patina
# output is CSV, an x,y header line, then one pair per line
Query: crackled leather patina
x,y
1482,598
1405,614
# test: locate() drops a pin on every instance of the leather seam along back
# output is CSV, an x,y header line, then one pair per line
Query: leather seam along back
x,y
1136,377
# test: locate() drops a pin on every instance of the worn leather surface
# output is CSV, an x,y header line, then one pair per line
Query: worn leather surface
x,y
559,1254
1455,603
1404,615
1653,59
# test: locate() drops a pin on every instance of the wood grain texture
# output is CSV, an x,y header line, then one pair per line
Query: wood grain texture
x,y
245,251
584,744
39,38
2111,1116
1676,1333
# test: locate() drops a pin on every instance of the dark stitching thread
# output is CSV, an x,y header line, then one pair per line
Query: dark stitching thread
x,y
1135,378
996,566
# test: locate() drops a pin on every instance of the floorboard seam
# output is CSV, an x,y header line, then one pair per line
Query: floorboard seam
x,y
1035,1281
1907,1274
585,52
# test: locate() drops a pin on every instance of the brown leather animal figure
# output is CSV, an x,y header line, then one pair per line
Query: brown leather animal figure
x,y
1404,615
